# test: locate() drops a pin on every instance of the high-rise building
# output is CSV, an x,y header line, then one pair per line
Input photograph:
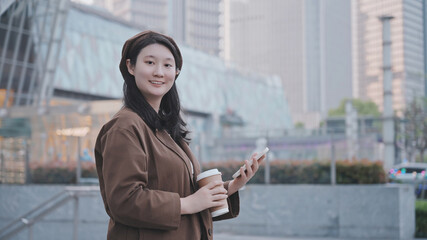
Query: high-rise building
x,y
307,43
425,44
194,22
204,25
407,50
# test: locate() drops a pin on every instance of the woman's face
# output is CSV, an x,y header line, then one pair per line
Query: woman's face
x,y
154,72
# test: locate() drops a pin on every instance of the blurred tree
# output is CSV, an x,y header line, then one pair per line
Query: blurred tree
x,y
414,135
364,108
299,125
321,124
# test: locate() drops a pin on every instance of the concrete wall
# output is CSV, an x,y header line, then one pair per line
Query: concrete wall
x,y
345,211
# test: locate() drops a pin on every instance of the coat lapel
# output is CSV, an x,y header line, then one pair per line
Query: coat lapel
x,y
205,215
193,160
167,140
186,155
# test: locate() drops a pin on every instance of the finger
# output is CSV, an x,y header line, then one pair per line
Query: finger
x,y
214,184
260,161
249,167
219,197
242,172
255,166
216,203
218,190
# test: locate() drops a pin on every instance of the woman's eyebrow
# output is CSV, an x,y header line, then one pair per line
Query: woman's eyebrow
x,y
152,56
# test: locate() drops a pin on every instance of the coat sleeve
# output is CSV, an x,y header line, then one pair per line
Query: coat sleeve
x,y
125,176
233,206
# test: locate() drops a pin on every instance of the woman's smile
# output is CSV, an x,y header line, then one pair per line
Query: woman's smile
x,y
156,83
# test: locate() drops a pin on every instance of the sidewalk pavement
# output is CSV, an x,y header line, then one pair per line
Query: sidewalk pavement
x,y
226,236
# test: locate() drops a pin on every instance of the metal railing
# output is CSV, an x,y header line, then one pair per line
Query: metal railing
x,y
27,220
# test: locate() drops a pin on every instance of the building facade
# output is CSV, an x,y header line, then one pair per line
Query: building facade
x,y
307,43
197,23
407,50
84,88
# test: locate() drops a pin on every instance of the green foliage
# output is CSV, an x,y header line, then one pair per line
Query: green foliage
x,y
60,172
310,172
281,172
299,125
360,172
421,218
364,108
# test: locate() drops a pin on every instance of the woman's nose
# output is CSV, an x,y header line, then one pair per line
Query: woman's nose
x,y
158,71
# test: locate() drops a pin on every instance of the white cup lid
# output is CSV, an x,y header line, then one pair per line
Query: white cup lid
x,y
207,173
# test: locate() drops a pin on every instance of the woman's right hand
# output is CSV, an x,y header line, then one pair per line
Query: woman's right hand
x,y
206,197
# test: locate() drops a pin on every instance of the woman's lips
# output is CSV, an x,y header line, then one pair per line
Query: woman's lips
x,y
156,82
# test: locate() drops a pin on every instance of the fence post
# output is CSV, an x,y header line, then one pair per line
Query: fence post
x,y
423,183
267,165
76,217
333,166
27,162
78,163
30,232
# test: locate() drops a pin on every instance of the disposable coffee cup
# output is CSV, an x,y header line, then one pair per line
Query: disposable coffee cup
x,y
206,177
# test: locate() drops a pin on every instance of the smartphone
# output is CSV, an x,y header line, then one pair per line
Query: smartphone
x,y
259,155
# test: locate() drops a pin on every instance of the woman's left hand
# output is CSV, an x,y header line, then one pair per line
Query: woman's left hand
x,y
245,175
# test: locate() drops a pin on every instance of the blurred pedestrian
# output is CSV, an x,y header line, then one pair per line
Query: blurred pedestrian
x,y
86,157
147,172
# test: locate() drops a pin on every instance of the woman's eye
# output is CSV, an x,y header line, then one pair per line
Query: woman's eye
x,y
168,65
149,62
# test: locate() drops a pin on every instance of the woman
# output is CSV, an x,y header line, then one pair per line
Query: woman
x,y
146,169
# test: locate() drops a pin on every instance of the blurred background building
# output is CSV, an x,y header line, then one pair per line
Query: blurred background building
x,y
407,54
198,23
60,82
253,69
307,43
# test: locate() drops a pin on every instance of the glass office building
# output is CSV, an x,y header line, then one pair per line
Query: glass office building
x,y
60,82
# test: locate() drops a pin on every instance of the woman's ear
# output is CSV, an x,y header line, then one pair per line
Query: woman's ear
x,y
178,71
130,67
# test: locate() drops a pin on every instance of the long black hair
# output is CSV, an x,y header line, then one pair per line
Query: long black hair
x,y
168,117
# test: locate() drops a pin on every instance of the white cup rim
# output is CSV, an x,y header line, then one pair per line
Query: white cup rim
x,y
220,212
208,173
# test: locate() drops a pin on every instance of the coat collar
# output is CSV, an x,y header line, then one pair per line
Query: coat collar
x,y
184,153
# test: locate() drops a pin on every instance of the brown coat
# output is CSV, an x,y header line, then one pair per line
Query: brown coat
x,y
142,176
